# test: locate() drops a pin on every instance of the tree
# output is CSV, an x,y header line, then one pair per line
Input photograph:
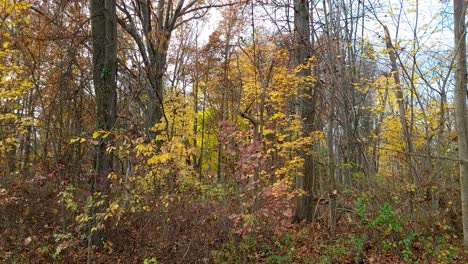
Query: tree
x,y
151,25
14,86
459,8
401,106
305,105
104,34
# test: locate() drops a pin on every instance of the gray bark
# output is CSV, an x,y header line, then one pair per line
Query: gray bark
x,y
305,105
460,108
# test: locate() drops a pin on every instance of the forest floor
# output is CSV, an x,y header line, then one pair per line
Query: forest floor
x,y
37,228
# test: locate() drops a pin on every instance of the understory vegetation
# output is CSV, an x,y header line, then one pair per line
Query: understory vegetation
x,y
233,132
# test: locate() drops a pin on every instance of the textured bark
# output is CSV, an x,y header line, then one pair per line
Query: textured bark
x,y
460,107
104,33
305,105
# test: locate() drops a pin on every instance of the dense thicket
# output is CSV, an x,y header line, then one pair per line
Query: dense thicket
x,y
297,131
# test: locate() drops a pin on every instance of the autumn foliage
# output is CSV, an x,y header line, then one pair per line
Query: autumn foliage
x,y
220,139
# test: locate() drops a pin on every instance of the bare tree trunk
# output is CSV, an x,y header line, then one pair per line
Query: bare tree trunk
x,y
332,192
104,33
435,177
305,110
460,107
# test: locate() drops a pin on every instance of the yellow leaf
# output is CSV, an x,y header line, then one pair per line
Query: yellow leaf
x,y
106,135
96,134
78,139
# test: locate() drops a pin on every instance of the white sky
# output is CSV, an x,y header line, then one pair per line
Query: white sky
x,y
432,15
433,27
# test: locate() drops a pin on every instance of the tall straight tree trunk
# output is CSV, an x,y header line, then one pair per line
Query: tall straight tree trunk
x,y
332,192
435,177
460,107
104,33
305,110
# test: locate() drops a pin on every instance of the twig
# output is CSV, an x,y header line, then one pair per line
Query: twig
x,y
422,155
185,254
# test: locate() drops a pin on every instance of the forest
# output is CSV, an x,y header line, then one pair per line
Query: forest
x,y
233,131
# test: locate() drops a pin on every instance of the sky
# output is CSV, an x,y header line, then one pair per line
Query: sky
x,y
433,16
433,26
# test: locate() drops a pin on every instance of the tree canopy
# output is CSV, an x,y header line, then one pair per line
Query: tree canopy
x,y
231,131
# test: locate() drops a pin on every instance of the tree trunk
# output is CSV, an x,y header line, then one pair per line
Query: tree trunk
x,y
104,33
332,192
460,108
435,177
305,110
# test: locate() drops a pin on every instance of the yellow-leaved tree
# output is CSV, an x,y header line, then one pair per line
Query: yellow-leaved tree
x,y
13,84
267,144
